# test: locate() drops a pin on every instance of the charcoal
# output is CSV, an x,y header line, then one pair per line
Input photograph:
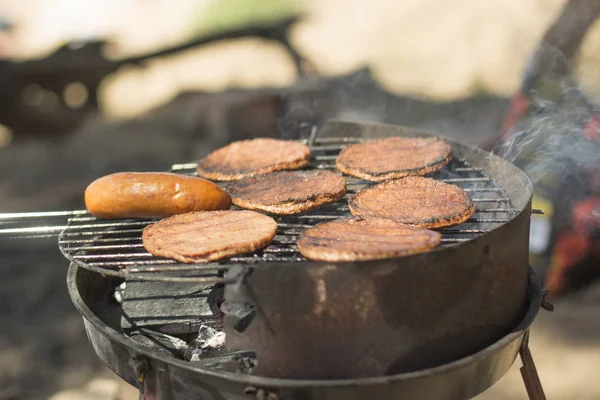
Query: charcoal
x,y
242,362
169,307
237,309
160,342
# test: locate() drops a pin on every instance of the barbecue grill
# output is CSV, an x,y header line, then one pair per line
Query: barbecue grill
x,y
445,324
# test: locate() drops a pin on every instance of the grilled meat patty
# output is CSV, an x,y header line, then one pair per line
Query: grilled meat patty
x,y
288,192
249,157
359,239
416,201
394,157
209,236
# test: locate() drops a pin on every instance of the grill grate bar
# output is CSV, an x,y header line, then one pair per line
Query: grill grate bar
x,y
33,229
119,224
95,233
108,247
130,246
288,225
83,219
458,180
98,240
182,167
177,268
491,200
461,231
476,190
28,237
154,277
497,210
454,240
110,256
318,217
40,214
252,260
488,220
338,140
333,147
468,169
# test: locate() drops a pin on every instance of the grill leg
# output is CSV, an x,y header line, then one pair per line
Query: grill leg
x,y
529,372
146,378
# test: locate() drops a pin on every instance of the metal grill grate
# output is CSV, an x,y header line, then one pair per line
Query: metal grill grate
x,y
115,247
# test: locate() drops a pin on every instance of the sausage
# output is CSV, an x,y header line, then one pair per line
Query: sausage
x,y
152,195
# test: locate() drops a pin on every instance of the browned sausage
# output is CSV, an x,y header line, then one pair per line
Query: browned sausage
x,y
152,195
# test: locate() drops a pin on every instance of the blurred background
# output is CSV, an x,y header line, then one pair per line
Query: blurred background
x,y
93,87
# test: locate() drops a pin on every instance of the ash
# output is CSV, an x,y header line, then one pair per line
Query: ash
x,y
209,343
209,350
118,295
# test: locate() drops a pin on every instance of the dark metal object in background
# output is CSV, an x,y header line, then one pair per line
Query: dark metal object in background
x,y
84,63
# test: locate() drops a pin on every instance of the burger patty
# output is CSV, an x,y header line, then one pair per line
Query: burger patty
x,y
360,239
249,157
394,157
209,235
288,192
417,201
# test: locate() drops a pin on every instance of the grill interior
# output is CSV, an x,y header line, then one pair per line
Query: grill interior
x,y
115,247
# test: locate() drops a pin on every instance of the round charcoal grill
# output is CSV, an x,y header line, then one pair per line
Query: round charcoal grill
x,y
447,323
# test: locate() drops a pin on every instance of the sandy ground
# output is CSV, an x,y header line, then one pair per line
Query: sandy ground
x,y
423,47
565,348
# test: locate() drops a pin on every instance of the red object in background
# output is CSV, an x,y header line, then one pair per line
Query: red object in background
x,y
592,128
585,216
517,110
575,244
569,250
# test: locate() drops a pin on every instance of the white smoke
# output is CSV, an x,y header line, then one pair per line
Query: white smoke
x,y
550,144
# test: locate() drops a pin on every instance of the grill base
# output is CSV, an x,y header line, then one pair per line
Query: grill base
x,y
169,378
